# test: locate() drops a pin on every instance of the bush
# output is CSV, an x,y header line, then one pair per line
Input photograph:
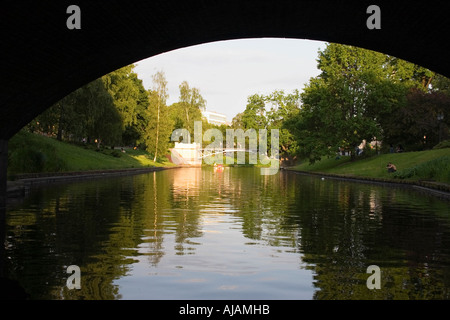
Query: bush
x,y
116,154
30,155
437,169
442,145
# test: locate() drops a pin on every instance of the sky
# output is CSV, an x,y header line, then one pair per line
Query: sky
x,y
228,72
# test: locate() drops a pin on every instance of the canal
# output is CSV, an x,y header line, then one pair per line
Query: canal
x,y
203,233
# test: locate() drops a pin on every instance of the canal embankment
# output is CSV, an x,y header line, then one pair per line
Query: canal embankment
x,y
34,160
425,170
24,182
439,189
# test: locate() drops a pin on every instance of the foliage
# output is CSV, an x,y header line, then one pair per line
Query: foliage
x,y
188,109
428,164
34,153
359,95
121,85
29,154
270,112
87,113
436,169
442,145
134,132
415,124
116,154
159,127
116,109
254,116
364,95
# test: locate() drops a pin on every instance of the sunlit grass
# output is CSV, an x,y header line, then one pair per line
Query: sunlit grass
x,y
145,159
375,166
31,153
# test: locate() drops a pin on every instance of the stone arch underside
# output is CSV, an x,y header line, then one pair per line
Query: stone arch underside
x,y
43,60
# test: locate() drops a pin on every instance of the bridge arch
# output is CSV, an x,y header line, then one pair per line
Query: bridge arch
x,y
44,60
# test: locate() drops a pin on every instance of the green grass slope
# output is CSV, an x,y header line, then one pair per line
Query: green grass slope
x,y
413,166
31,153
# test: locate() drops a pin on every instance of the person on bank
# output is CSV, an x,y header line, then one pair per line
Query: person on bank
x,y
391,168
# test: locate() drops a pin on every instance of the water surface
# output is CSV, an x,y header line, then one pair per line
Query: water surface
x,y
200,233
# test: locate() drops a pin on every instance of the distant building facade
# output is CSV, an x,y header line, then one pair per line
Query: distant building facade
x,y
215,118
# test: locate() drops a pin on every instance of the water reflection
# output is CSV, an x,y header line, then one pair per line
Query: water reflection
x,y
216,234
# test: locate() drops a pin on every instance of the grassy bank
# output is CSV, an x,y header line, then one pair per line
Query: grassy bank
x,y
432,166
31,153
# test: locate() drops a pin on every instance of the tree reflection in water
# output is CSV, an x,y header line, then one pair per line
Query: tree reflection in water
x,y
333,229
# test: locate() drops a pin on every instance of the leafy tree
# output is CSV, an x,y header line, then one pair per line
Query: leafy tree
x,y
100,119
254,116
134,133
88,112
189,107
415,124
159,128
131,100
408,73
440,84
237,122
270,112
353,99
284,106
121,84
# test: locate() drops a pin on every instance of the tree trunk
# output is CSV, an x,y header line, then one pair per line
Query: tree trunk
x,y
157,134
187,119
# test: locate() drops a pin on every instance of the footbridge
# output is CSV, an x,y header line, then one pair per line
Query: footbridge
x,y
192,154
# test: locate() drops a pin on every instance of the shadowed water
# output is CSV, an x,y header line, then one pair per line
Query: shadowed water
x,y
201,233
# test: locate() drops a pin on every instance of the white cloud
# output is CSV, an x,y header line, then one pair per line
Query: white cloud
x,y
227,72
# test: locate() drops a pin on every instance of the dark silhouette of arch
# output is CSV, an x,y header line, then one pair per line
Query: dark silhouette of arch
x,y
43,60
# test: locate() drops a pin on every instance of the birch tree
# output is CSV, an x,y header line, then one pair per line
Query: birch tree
x,y
159,127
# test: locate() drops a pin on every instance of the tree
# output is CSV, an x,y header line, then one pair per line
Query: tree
x,y
353,98
441,84
188,109
237,122
127,92
135,132
415,124
315,127
159,127
254,116
270,112
282,107
97,113
110,109
88,112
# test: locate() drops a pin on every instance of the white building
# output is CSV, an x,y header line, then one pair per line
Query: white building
x,y
186,153
215,117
